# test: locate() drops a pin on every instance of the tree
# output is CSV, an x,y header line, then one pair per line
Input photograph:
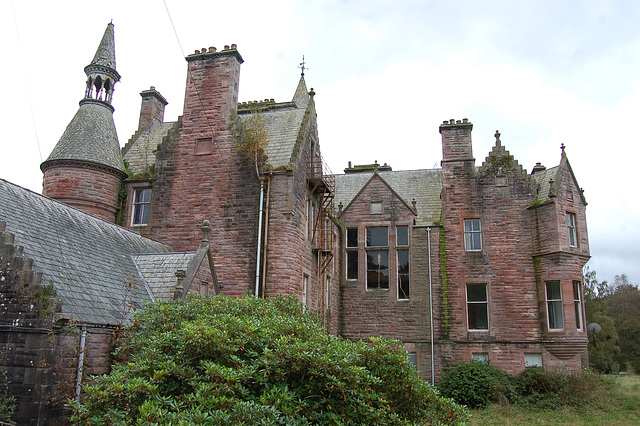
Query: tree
x,y
616,307
220,360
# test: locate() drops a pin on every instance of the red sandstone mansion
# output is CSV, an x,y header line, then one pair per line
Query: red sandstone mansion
x,y
467,261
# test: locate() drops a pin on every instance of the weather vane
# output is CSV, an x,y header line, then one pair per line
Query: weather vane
x,y
302,65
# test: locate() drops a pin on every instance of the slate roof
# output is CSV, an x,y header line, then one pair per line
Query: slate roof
x,y
159,272
105,55
282,126
90,137
543,179
140,154
423,185
86,259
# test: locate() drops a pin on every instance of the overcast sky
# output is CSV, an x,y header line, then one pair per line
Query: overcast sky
x,y
385,73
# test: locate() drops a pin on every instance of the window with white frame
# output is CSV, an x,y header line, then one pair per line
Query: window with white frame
x,y
481,357
472,235
305,288
571,228
141,207
554,305
477,307
577,303
402,256
352,253
532,360
377,244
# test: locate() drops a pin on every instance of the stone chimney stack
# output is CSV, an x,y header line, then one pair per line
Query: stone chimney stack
x,y
152,108
212,87
456,140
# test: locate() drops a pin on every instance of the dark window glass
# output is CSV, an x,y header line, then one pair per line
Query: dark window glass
x,y
477,307
352,237
352,265
403,274
402,236
377,237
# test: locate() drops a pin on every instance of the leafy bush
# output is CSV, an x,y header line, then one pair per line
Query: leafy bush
x,y
476,384
548,390
222,360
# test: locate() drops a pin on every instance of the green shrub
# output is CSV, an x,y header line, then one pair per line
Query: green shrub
x,y
477,384
222,360
548,390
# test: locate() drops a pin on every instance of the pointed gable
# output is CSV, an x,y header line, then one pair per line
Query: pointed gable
x,y
423,186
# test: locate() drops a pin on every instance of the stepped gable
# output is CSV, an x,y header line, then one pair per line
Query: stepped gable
x,y
87,260
422,185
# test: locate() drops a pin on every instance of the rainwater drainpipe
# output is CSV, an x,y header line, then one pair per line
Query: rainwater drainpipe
x,y
433,373
256,293
83,337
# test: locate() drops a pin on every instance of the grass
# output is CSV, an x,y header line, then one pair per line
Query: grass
x,y
619,406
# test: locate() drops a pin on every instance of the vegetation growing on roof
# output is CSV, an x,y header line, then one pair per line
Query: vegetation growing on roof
x,y
254,139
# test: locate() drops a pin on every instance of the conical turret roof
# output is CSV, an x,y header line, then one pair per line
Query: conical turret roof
x,y
106,53
91,135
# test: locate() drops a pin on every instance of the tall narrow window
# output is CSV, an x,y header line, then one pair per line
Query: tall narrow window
x,y
554,305
477,307
402,240
472,235
571,228
352,253
305,287
141,207
377,259
577,302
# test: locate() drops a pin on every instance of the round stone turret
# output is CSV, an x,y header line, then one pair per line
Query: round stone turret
x,y
85,169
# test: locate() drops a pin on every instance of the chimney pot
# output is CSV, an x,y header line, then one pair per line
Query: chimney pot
x,y
226,47
234,46
465,120
197,52
204,50
452,121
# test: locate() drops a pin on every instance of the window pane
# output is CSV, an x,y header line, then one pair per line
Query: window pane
x,y
476,292
352,265
377,237
482,357
413,359
472,235
533,360
402,233
577,302
553,290
477,307
352,237
556,320
378,269
571,228
478,318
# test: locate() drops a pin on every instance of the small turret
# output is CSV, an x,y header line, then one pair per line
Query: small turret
x,y
85,169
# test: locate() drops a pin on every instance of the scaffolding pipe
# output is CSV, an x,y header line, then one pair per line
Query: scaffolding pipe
x,y
433,373
257,290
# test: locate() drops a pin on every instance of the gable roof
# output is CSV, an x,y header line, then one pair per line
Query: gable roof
x,y
86,259
159,272
549,181
422,185
140,153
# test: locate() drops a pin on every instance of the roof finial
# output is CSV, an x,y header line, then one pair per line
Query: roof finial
x,y
562,148
497,135
302,66
206,228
